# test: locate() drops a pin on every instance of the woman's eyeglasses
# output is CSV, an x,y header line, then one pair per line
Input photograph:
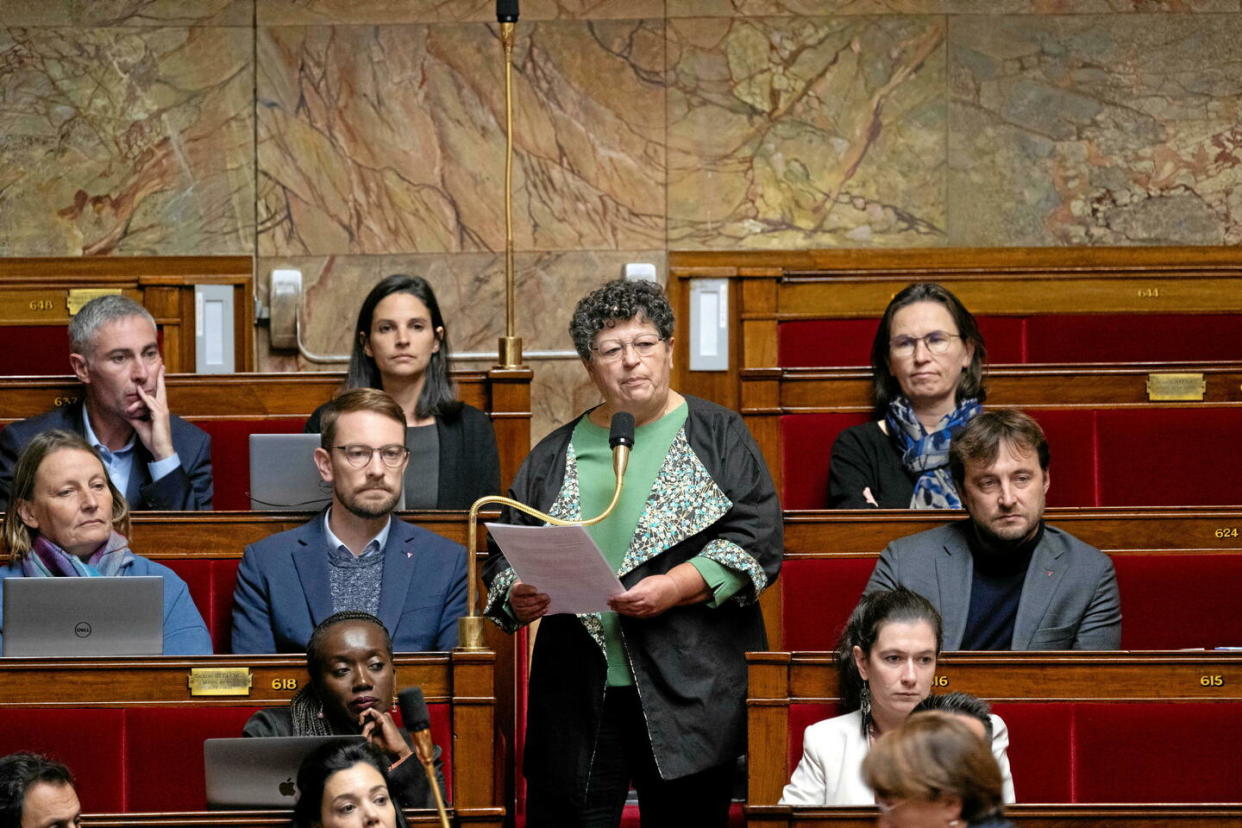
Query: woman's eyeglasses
x,y
936,342
610,350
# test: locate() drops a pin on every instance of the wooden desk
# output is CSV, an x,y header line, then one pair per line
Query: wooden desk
x,y
780,680
40,292
1027,816
465,681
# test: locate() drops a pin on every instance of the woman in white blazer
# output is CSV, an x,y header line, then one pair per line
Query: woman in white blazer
x,y
886,660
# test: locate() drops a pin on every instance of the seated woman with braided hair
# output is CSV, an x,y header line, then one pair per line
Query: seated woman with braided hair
x,y
351,690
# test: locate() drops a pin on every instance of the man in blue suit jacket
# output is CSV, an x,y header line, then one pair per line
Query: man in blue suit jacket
x,y
156,458
357,555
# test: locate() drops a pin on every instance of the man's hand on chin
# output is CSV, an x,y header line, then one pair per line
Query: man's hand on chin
x,y
149,418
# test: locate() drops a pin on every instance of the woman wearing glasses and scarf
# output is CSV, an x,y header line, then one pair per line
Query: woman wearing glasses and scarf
x,y
927,384
652,692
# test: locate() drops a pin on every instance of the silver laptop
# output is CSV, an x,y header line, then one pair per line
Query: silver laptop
x,y
283,475
258,772
67,617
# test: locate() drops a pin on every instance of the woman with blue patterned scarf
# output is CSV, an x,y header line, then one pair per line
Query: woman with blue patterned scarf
x,y
652,693
927,384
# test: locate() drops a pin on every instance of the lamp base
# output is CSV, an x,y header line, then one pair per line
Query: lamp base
x,y
470,633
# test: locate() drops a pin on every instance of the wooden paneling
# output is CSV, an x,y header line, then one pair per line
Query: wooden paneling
x,y
464,680
271,819
775,391
1028,816
36,292
1115,530
778,679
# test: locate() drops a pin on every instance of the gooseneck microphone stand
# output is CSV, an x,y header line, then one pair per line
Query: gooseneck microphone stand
x,y
470,626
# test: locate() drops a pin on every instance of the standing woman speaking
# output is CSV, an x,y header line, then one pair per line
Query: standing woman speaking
x,y
401,347
653,692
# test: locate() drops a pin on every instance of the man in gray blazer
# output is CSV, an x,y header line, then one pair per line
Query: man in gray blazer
x,y
1003,579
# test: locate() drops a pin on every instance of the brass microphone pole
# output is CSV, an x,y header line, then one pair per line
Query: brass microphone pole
x,y
470,626
510,348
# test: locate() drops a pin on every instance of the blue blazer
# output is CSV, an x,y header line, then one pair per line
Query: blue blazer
x,y
184,630
283,590
185,489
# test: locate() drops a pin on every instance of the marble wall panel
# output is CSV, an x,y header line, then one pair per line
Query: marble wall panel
x,y
806,132
126,141
312,12
470,289
1050,7
800,8
390,139
127,12
1096,130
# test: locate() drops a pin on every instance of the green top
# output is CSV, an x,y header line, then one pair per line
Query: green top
x,y
595,484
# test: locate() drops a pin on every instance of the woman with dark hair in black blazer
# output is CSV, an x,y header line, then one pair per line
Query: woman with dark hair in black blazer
x,y
401,347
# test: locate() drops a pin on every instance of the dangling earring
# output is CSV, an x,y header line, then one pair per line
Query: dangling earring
x,y
864,701
393,709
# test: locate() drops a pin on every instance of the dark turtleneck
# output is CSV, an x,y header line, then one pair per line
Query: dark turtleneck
x,y
995,589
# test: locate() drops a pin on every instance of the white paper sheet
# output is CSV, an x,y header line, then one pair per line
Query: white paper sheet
x,y
560,561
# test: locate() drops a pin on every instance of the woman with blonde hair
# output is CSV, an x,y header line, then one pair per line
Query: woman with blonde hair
x,y
66,519
935,772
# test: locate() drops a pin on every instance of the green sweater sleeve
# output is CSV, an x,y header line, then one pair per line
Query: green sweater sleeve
x,y
722,581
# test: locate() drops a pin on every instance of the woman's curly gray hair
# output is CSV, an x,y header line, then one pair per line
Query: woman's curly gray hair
x,y
619,301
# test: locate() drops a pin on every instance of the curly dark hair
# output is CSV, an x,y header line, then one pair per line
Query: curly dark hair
x,y
885,388
619,301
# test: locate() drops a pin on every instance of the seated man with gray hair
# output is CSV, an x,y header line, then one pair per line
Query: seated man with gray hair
x,y
156,458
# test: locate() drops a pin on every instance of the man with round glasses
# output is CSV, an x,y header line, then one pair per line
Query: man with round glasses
x,y
357,555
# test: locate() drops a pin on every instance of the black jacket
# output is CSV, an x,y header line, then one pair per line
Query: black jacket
x,y
714,497
864,457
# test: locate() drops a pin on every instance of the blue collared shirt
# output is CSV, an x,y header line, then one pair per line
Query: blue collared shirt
x,y
335,544
120,463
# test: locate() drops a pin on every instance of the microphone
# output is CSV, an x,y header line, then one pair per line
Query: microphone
x,y
506,11
417,720
621,440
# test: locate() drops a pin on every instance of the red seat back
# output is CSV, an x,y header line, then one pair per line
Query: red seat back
x,y
1157,752
211,583
806,450
1053,338
1179,600
817,597
122,757
230,455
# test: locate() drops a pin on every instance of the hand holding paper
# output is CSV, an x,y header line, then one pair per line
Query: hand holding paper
x,y
561,562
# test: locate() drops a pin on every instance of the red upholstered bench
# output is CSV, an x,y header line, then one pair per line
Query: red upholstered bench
x,y
1174,600
1061,338
211,583
122,757
1078,751
1105,457
817,596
